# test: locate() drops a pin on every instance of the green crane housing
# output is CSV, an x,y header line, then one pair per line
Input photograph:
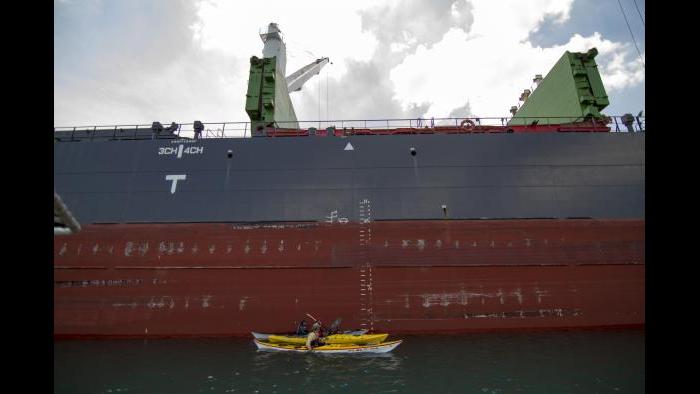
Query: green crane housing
x,y
572,91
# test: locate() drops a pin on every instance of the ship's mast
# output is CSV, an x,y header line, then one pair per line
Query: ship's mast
x,y
267,99
274,47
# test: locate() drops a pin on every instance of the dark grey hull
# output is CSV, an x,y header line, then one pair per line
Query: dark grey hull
x,y
469,176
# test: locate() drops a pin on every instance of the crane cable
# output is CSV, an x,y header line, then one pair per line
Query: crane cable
x,y
327,110
319,102
640,14
632,34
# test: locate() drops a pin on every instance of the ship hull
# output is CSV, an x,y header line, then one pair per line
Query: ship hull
x,y
215,279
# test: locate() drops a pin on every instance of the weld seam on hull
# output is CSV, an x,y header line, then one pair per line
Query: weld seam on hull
x,y
68,336
379,265
350,188
233,267
385,167
632,263
317,224
63,267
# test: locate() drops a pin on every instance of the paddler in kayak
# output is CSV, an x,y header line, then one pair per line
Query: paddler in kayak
x,y
314,337
335,327
301,328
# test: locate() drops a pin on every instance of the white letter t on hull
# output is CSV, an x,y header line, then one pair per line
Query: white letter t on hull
x,y
174,179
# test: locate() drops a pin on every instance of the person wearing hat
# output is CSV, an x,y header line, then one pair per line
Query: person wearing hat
x,y
313,339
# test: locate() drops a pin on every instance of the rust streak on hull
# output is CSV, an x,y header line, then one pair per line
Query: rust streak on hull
x,y
135,280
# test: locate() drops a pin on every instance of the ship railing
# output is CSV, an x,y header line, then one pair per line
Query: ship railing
x,y
340,127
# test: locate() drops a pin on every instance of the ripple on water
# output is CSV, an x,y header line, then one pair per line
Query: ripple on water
x,y
476,363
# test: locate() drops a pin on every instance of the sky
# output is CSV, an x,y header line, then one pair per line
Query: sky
x,y
139,61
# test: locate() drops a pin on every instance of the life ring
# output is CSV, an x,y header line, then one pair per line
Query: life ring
x,y
467,124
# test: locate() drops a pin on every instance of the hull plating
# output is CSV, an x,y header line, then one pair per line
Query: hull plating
x,y
393,276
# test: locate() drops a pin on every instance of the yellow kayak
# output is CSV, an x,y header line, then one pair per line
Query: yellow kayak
x,y
376,348
335,339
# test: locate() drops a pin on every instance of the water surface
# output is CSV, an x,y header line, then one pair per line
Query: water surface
x,y
606,361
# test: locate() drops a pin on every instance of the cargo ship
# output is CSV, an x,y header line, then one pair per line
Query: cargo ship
x,y
401,226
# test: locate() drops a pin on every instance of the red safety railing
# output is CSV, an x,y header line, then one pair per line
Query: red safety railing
x,y
338,128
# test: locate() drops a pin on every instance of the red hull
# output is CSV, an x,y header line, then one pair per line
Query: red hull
x,y
407,276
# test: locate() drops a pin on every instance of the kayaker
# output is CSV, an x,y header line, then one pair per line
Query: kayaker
x,y
313,339
335,327
301,329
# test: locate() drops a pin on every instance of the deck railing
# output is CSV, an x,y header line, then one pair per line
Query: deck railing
x,y
615,124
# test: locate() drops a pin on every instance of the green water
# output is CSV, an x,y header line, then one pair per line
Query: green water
x,y
610,361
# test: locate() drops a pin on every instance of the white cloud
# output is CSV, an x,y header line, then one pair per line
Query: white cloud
x,y
182,90
407,23
312,30
392,58
491,65
618,64
205,76
508,21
